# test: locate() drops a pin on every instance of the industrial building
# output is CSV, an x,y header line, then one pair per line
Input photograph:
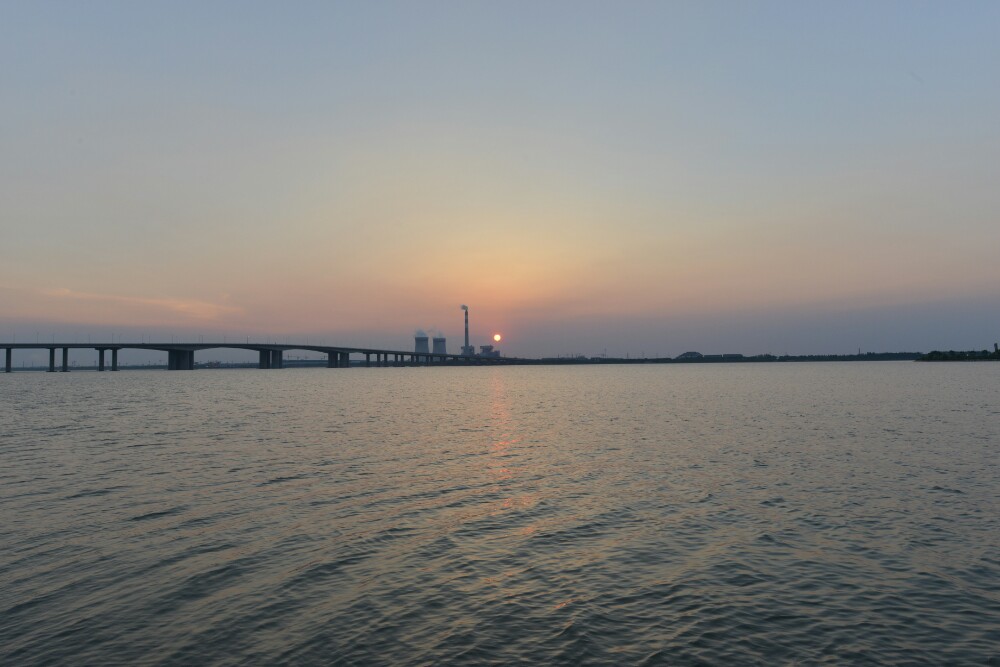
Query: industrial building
x,y
440,346
467,350
421,343
485,351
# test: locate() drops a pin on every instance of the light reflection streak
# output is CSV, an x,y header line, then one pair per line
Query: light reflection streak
x,y
502,451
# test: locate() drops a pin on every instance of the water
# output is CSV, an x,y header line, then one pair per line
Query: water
x,y
699,514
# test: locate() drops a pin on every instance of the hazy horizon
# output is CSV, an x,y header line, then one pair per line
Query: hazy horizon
x,y
637,178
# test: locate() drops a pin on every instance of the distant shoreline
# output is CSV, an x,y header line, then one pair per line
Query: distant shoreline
x,y
969,355
736,358
559,361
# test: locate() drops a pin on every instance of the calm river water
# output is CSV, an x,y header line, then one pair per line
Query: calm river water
x,y
698,514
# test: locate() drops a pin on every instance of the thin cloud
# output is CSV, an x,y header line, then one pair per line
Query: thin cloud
x,y
202,310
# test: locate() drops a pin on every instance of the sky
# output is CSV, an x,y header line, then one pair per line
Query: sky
x,y
589,177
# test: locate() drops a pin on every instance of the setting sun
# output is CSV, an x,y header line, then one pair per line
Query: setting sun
x,y
497,337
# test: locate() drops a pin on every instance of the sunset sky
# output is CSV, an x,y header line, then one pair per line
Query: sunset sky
x,y
628,177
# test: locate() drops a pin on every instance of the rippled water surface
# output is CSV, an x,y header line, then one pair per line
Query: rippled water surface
x,y
715,514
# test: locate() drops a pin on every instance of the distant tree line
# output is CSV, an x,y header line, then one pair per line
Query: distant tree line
x,y
865,356
970,355
698,358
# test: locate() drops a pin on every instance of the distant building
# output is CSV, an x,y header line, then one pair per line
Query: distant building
x,y
439,346
690,355
467,350
488,351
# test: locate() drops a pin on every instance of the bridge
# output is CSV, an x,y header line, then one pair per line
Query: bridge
x,y
180,356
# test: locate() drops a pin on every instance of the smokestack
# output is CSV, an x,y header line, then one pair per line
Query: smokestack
x,y
467,350
439,345
466,309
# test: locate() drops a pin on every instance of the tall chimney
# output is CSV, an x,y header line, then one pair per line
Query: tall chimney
x,y
467,350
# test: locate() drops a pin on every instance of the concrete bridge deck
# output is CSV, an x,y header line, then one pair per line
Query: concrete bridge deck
x,y
180,356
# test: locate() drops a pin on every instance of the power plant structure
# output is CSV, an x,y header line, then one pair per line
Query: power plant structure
x,y
467,350
421,343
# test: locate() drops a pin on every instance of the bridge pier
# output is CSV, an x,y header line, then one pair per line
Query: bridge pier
x,y
52,360
277,359
177,360
338,360
114,359
265,359
368,359
65,361
7,368
100,359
